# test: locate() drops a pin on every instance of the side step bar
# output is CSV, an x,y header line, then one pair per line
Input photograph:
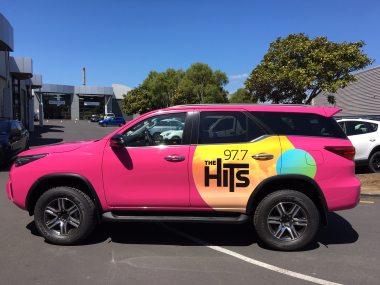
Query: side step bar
x,y
111,217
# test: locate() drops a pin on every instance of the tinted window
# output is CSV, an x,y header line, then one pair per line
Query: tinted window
x,y
14,128
3,128
357,128
149,132
226,127
254,131
343,126
372,127
301,124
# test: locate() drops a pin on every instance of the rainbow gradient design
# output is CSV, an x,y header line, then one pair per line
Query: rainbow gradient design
x,y
287,160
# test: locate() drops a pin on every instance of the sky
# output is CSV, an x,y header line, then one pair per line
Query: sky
x,y
121,41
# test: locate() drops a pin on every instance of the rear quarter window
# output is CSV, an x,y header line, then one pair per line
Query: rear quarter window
x,y
301,124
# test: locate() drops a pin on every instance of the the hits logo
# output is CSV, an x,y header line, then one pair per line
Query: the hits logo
x,y
231,167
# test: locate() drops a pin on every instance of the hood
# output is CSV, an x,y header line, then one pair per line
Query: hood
x,y
64,147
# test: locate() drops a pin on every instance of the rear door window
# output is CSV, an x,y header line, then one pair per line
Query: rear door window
x,y
301,124
227,127
372,127
355,128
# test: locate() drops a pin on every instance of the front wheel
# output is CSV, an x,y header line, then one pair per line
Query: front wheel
x,y
64,215
286,220
374,162
104,124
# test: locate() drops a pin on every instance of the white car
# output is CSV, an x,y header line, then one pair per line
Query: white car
x,y
108,115
174,134
163,126
365,136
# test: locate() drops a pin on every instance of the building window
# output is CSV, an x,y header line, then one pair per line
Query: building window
x,y
57,105
90,105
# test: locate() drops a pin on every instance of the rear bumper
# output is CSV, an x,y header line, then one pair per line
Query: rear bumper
x,y
9,190
342,192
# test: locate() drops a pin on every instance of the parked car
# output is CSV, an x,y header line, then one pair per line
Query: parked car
x,y
108,115
173,134
162,126
14,138
365,136
118,121
284,167
95,118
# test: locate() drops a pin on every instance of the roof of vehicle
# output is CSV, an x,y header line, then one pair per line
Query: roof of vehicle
x,y
358,119
296,108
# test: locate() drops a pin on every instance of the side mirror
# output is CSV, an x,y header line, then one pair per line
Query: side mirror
x,y
117,141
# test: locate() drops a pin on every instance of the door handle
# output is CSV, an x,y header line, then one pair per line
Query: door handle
x,y
372,140
175,158
262,156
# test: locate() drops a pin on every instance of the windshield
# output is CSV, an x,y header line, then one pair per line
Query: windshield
x,y
3,128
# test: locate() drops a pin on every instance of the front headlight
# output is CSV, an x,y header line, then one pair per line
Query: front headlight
x,y
168,134
22,160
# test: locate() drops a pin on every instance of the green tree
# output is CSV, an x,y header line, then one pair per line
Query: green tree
x,y
239,96
201,84
137,101
297,69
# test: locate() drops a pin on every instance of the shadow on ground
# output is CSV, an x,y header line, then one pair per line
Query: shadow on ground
x,y
339,231
37,139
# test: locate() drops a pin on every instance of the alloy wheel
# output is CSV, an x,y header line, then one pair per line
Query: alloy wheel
x,y
287,221
376,163
62,216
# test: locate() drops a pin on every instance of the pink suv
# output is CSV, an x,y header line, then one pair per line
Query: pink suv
x,y
285,166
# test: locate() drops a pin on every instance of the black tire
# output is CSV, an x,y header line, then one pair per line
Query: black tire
x,y
176,138
27,145
121,124
104,125
157,137
7,156
286,240
85,215
374,162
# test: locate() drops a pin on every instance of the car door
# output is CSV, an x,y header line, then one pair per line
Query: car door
x,y
146,173
24,135
113,121
362,138
224,170
15,138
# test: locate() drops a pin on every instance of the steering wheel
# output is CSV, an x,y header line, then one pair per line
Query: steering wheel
x,y
149,138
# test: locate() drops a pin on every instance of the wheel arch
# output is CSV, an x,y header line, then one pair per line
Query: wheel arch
x,y
301,183
375,149
44,183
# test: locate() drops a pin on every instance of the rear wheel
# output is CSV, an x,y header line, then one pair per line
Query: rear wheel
x,y
104,124
374,163
121,124
27,145
286,220
65,215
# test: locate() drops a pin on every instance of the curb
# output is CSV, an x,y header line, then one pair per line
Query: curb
x,y
369,195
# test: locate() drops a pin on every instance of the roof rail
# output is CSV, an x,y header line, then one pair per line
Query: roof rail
x,y
241,104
